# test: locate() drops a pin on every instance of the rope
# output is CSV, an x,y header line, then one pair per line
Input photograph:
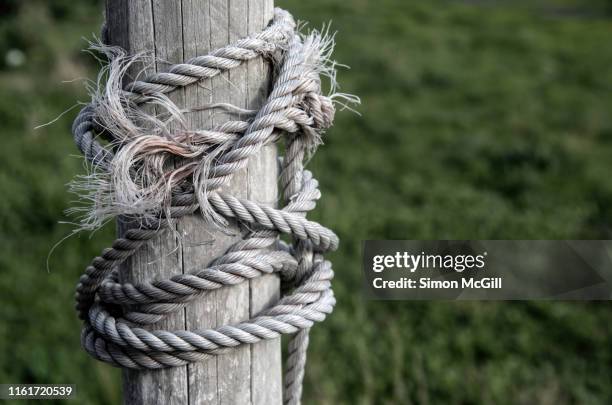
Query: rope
x,y
114,313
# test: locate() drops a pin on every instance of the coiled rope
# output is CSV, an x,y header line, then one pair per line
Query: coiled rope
x,y
113,313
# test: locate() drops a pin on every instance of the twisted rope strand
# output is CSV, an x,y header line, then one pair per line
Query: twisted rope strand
x,y
274,37
209,158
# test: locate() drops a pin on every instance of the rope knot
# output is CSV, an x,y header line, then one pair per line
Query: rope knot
x,y
321,109
133,179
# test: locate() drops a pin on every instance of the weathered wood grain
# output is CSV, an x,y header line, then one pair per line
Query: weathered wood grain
x,y
176,31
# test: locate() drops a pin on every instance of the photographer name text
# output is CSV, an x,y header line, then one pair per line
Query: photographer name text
x,y
412,263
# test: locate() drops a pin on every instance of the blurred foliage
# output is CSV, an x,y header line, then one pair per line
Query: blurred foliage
x,y
480,120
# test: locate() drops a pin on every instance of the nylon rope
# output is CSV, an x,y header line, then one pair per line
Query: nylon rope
x,y
115,314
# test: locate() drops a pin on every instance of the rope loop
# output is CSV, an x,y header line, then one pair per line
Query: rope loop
x,y
142,187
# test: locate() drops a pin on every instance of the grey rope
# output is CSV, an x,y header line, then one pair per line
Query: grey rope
x,y
295,107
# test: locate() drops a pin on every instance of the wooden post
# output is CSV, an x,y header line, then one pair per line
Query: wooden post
x,y
176,31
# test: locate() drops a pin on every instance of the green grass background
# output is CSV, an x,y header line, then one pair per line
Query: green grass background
x,y
480,120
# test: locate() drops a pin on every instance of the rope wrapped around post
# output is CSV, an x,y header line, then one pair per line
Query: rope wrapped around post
x,y
203,162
